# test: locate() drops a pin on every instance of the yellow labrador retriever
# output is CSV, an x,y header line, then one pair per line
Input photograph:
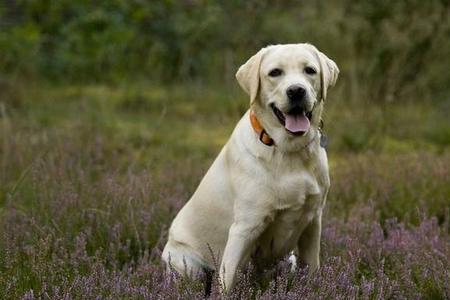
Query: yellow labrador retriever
x,y
264,194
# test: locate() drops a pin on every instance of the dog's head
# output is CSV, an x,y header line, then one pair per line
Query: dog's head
x,y
287,84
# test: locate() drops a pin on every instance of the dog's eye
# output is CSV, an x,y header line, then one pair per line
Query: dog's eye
x,y
310,71
275,72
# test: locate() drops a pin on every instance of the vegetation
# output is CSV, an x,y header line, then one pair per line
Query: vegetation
x,y
110,113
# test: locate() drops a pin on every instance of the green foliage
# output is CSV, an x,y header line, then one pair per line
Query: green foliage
x,y
386,50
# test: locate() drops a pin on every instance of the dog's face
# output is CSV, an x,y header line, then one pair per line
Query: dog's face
x,y
286,84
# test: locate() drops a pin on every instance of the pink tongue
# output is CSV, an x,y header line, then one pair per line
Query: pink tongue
x,y
297,123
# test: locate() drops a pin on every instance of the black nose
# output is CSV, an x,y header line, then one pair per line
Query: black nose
x,y
296,93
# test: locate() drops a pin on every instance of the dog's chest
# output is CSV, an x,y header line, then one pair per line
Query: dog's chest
x,y
292,190
297,199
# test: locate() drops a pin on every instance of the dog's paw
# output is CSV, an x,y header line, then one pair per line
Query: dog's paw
x,y
293,261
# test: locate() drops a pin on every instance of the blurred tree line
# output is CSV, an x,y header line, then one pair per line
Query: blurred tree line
x,y
386,49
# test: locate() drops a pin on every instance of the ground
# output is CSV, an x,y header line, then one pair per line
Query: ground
x,y
92,175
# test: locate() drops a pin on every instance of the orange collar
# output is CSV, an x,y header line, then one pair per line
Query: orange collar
x,y
263,136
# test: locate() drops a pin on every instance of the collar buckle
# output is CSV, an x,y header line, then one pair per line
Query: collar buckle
x,y
265,138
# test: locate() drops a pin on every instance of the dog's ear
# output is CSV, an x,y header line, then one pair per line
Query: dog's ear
x,y
329,72
248,75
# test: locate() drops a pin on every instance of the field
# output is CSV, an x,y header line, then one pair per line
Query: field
x,y
92,176
111,111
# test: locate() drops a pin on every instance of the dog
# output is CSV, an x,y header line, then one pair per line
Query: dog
x,y
264,194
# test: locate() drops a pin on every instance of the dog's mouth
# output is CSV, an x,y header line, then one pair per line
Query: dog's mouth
x,y
296,121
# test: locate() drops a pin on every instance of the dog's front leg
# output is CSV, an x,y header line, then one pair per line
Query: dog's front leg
x,y
241,237
309,244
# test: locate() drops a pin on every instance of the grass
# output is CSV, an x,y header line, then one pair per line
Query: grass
x,y
91,177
